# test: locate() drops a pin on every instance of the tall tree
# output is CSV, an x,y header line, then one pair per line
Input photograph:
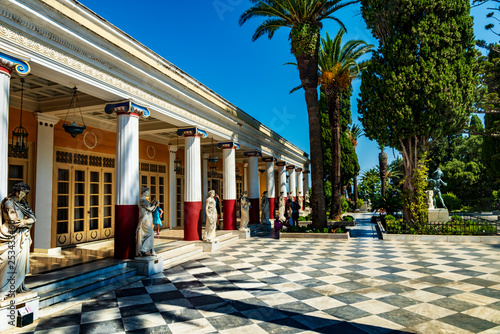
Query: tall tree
x,y
422,80
382,165
338,67
354,133
304,18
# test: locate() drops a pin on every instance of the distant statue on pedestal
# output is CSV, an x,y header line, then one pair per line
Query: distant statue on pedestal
x,y
436,183
281,208
264,204
211,224
245,208
15,241
301,200
145,232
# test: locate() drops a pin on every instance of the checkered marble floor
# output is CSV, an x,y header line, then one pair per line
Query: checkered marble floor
x,y
264,285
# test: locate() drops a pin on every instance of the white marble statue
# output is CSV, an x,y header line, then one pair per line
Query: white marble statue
x,y
430,199
145,233
15,240
245,209
301,200
281,208
264,204
210,233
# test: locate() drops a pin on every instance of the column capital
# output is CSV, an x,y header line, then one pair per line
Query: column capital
x,y
245,164
206,156
280,163
229,144
173,148
298,169
126,107
9,63
43,118
252,154
269,159
290,167
192,132
306,171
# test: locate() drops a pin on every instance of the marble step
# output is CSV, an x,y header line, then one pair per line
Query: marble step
x,y
227,238
70,289
108,288
179,255
53,280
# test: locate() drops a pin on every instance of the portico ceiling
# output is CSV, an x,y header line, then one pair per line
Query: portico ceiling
x,y
48,97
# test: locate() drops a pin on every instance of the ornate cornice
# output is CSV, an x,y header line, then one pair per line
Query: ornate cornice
x,y
36,45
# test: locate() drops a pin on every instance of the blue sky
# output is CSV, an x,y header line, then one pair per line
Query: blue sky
x,y
203,38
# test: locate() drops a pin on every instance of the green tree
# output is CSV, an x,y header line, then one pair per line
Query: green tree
x,y
304,18
338,67
421,82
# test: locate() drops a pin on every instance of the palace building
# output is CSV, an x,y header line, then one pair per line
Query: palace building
x,y
89,115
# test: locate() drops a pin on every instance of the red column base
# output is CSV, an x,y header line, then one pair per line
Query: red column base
x,y
229,210
192,221
254,211
271,207
126,220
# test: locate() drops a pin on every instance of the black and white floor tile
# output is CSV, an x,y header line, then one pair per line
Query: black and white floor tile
x,y
263,285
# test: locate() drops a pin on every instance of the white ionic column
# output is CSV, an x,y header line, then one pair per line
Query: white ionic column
x,y
300,183
44,172
127,176
282,178
229,178
192,185
292,182
7,65
270,184
172,197
204,179
253,185
245,177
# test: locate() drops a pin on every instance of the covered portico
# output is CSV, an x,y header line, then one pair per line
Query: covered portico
x,y
147,124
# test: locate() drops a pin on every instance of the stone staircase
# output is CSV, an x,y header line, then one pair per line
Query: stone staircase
x,y
64,288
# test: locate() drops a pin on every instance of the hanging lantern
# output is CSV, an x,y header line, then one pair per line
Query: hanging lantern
x,y
74,129
20,135
177,161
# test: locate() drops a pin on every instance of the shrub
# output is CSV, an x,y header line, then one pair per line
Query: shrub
x,y
344,203
452,201
348,218
359,203
457,218
389,217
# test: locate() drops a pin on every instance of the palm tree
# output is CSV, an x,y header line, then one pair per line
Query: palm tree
x,y
338,68
355,132
304,18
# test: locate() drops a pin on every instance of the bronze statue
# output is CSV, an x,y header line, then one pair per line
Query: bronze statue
x,y
15,241
436,184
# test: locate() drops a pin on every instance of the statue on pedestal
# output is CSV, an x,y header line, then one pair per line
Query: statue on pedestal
x,y
281,208
301,200
145,232
211,224
245,208
264,204
430,199
436,183
15,241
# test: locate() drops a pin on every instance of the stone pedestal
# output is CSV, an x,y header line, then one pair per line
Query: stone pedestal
x,y
268,225
211,246
244,233
9,308
148,265
438,215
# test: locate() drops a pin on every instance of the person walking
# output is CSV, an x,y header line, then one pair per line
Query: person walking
x,y
157,216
